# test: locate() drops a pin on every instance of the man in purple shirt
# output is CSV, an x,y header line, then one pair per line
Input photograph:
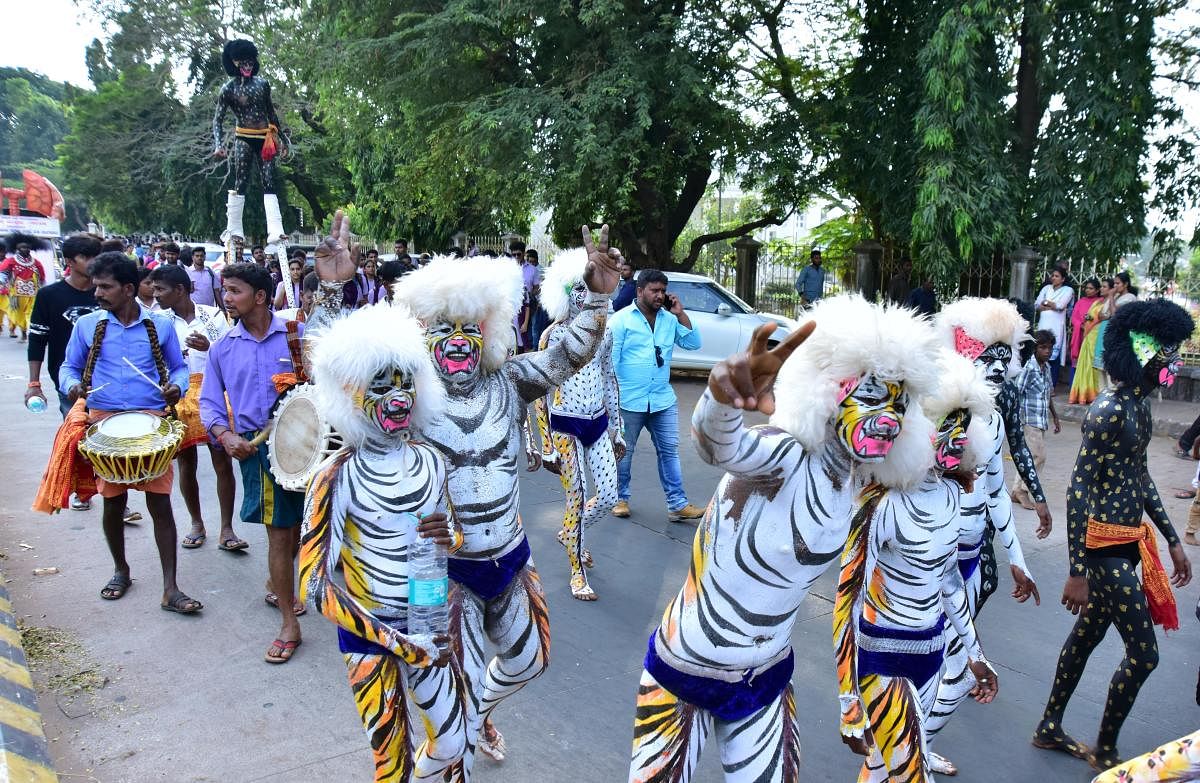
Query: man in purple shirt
x,y
241,364
206,285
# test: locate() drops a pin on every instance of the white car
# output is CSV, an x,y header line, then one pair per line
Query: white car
x,y
725,322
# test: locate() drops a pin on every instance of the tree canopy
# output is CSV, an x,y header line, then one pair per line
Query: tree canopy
x,y
956,130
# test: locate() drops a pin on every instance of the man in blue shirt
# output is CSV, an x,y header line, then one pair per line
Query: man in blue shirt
x,y
626,290
811,282
126,376
644,337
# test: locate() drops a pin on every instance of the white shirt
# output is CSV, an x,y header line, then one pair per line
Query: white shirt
x,y
208,321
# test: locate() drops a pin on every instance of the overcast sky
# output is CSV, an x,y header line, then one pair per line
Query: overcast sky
x,y
50,38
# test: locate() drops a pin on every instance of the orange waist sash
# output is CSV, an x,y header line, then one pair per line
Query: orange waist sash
x,y
1154,577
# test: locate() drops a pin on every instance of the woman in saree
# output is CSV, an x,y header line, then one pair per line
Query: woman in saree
x,y
1086,384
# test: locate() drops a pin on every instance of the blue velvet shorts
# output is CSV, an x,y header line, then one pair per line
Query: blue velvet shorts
x,y
727,701
588,431
489,578
916,666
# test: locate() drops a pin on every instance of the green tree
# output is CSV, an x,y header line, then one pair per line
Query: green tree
x,y
472,113
962,128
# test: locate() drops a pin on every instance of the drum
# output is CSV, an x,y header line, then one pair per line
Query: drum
x,y
301,439
132,447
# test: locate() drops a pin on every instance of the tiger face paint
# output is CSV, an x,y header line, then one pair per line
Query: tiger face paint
x,y
388,402
577,294
950,440
868,419
457,348
1161,362
994,363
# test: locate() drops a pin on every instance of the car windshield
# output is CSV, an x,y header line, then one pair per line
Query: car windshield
x,y
705,297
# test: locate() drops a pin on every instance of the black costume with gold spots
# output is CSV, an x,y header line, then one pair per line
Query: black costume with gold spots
x,y
249,98
1111,484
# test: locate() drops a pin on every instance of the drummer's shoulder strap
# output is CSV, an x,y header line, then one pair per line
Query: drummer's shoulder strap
x,y
93,355
295,346
160,363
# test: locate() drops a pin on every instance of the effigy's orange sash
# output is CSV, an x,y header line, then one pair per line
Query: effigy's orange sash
x,y
1154,577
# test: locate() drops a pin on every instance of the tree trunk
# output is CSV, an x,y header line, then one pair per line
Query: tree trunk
x,y
1029,106
306,188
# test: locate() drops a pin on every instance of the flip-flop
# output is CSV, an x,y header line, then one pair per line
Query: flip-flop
x,y
234,544
182,604
193,542
116,587
273,600
286,651
1186,494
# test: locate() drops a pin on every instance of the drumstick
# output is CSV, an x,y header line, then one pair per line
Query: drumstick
x,y
263,434
134,367
153,383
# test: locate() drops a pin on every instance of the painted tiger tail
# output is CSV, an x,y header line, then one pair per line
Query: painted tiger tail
x,y
663,725
895,719
382,704
851,582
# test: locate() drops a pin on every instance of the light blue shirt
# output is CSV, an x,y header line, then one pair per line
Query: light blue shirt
x,y
645,386
811,283
118,387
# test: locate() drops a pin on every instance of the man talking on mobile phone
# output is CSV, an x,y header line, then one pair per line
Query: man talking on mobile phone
x,y
644,337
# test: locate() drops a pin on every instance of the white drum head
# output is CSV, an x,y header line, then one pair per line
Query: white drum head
x,y
300,439
129,425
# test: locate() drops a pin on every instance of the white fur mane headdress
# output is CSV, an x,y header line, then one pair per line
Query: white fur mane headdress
x,y
486,291
563,273
854,337
961,385
986,320
355,349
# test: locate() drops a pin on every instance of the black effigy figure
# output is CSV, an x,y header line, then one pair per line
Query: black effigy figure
x,y
1109,495
256,137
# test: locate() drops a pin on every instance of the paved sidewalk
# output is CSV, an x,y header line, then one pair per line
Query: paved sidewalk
x,y
148,696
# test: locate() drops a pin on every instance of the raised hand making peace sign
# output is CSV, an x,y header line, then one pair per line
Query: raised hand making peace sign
x,y
603,270
746,380
335,259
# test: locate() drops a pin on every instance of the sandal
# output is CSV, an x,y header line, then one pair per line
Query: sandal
x,y
298,608
233,544
286,651
1185,494
582,591
941,765
193,542
1050,738
491,742
116,587
181,604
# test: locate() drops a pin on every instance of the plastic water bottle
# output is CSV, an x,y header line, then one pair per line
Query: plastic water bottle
x,y
36,404
428,586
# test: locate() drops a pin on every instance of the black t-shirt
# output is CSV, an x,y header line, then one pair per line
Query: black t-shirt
x,y
55,310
